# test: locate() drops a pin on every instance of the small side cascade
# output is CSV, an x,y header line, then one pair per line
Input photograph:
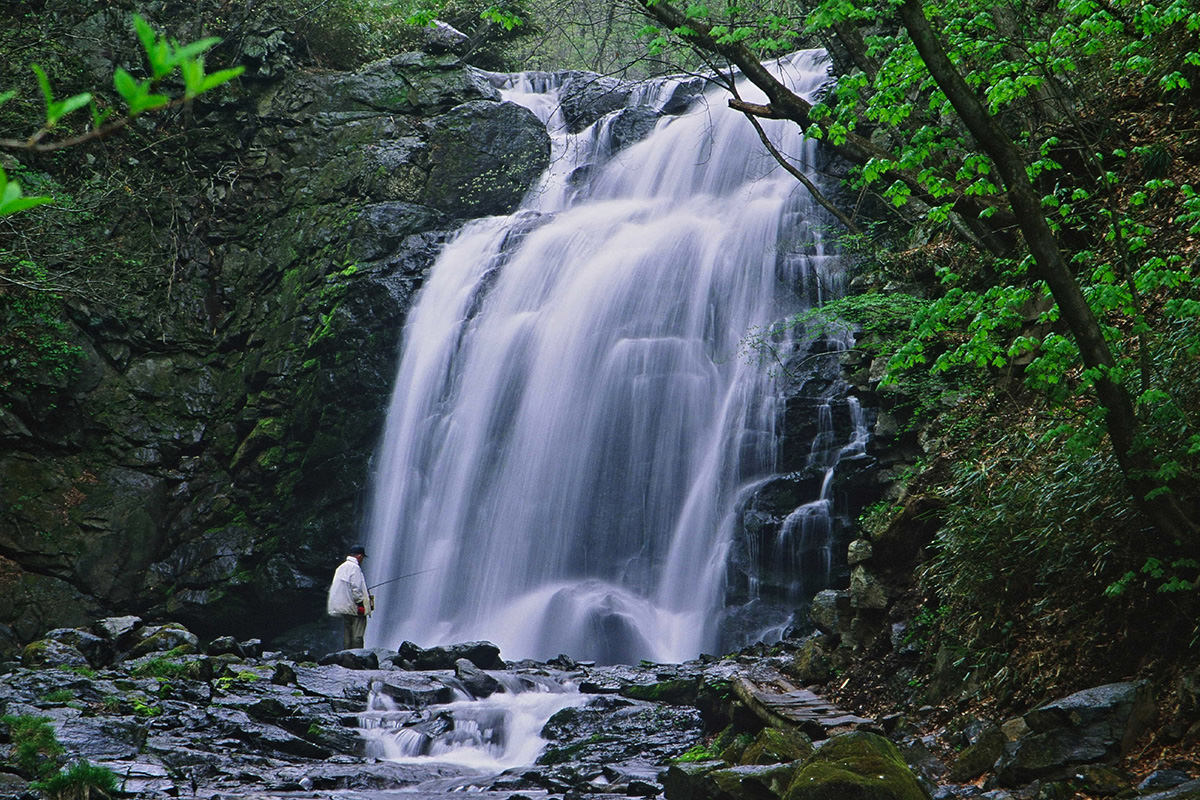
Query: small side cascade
x,y
492,732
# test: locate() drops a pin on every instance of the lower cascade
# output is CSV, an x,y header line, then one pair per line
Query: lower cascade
x,y
578,428
494,732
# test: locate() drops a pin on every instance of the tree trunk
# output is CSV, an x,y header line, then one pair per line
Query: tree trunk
x,y
1164,511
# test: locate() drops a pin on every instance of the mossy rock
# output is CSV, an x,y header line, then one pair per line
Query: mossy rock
x,y
679,690
811,663
856,766
50,653
776,746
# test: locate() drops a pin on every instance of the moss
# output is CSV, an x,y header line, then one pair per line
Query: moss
x,y
856,766
697,753
774,746
681,690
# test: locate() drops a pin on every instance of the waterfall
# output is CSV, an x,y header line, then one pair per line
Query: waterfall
x,y
574,427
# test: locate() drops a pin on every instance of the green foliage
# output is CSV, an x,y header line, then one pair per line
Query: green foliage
x,y
1035,543
12,197
226,682
164,58
161,667
58,696
35,748
35,345
81,781
143,707
86,672
699,752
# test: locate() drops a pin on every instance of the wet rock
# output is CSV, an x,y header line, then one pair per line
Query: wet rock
x,y
777,746
225,645
858,551
681,690
1090,726
98,650
811,664
161,638
685,781
484,655
866,591
586,97
631,125
859,765
831,611
352,659
610,729
50,653
1184,791
98,739
478,682
1101,781
483,157
980,755
747,782
1163,779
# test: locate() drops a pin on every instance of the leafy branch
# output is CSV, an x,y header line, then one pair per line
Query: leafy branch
x,y
164,57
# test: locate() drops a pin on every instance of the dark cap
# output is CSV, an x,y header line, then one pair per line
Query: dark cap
x,y
357,550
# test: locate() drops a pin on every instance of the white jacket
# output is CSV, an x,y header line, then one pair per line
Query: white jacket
x,y
348,590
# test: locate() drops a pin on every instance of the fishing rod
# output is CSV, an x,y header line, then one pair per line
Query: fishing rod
x,y
402,577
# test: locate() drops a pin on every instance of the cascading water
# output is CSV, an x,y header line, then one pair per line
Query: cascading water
x,y
573,432
494,732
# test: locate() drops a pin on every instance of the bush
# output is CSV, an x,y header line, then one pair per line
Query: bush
x,y
35,748
79,782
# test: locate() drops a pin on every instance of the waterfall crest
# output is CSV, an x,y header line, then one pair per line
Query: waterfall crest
x,y
574,426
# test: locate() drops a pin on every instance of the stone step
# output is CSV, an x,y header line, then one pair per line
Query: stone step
x,y
779,703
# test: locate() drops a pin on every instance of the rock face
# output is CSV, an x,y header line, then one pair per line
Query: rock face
x,y
1093,725
208,456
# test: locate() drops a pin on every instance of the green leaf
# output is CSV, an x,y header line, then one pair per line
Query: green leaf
x,y
6,96
193,76
190,51
219,77
12,199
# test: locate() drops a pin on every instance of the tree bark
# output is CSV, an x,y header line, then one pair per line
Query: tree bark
x,y
1164,511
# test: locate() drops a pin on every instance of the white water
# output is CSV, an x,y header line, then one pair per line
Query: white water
x,y
489,734
572,427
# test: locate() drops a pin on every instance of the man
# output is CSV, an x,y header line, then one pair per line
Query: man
x,y
350,600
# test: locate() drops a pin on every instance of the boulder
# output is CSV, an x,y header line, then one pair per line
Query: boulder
x,y
478,682
865,590
777,746
586,97
831,611
161,638
685,780
118,630
810,664
483,157
746,782
484,655
224,645
51,653
1094,725
856,766
363,658
985,746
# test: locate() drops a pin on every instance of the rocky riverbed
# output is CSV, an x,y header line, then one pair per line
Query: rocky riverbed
x,y
172,717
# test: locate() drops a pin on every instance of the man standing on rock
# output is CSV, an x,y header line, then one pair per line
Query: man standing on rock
x,y
350,600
